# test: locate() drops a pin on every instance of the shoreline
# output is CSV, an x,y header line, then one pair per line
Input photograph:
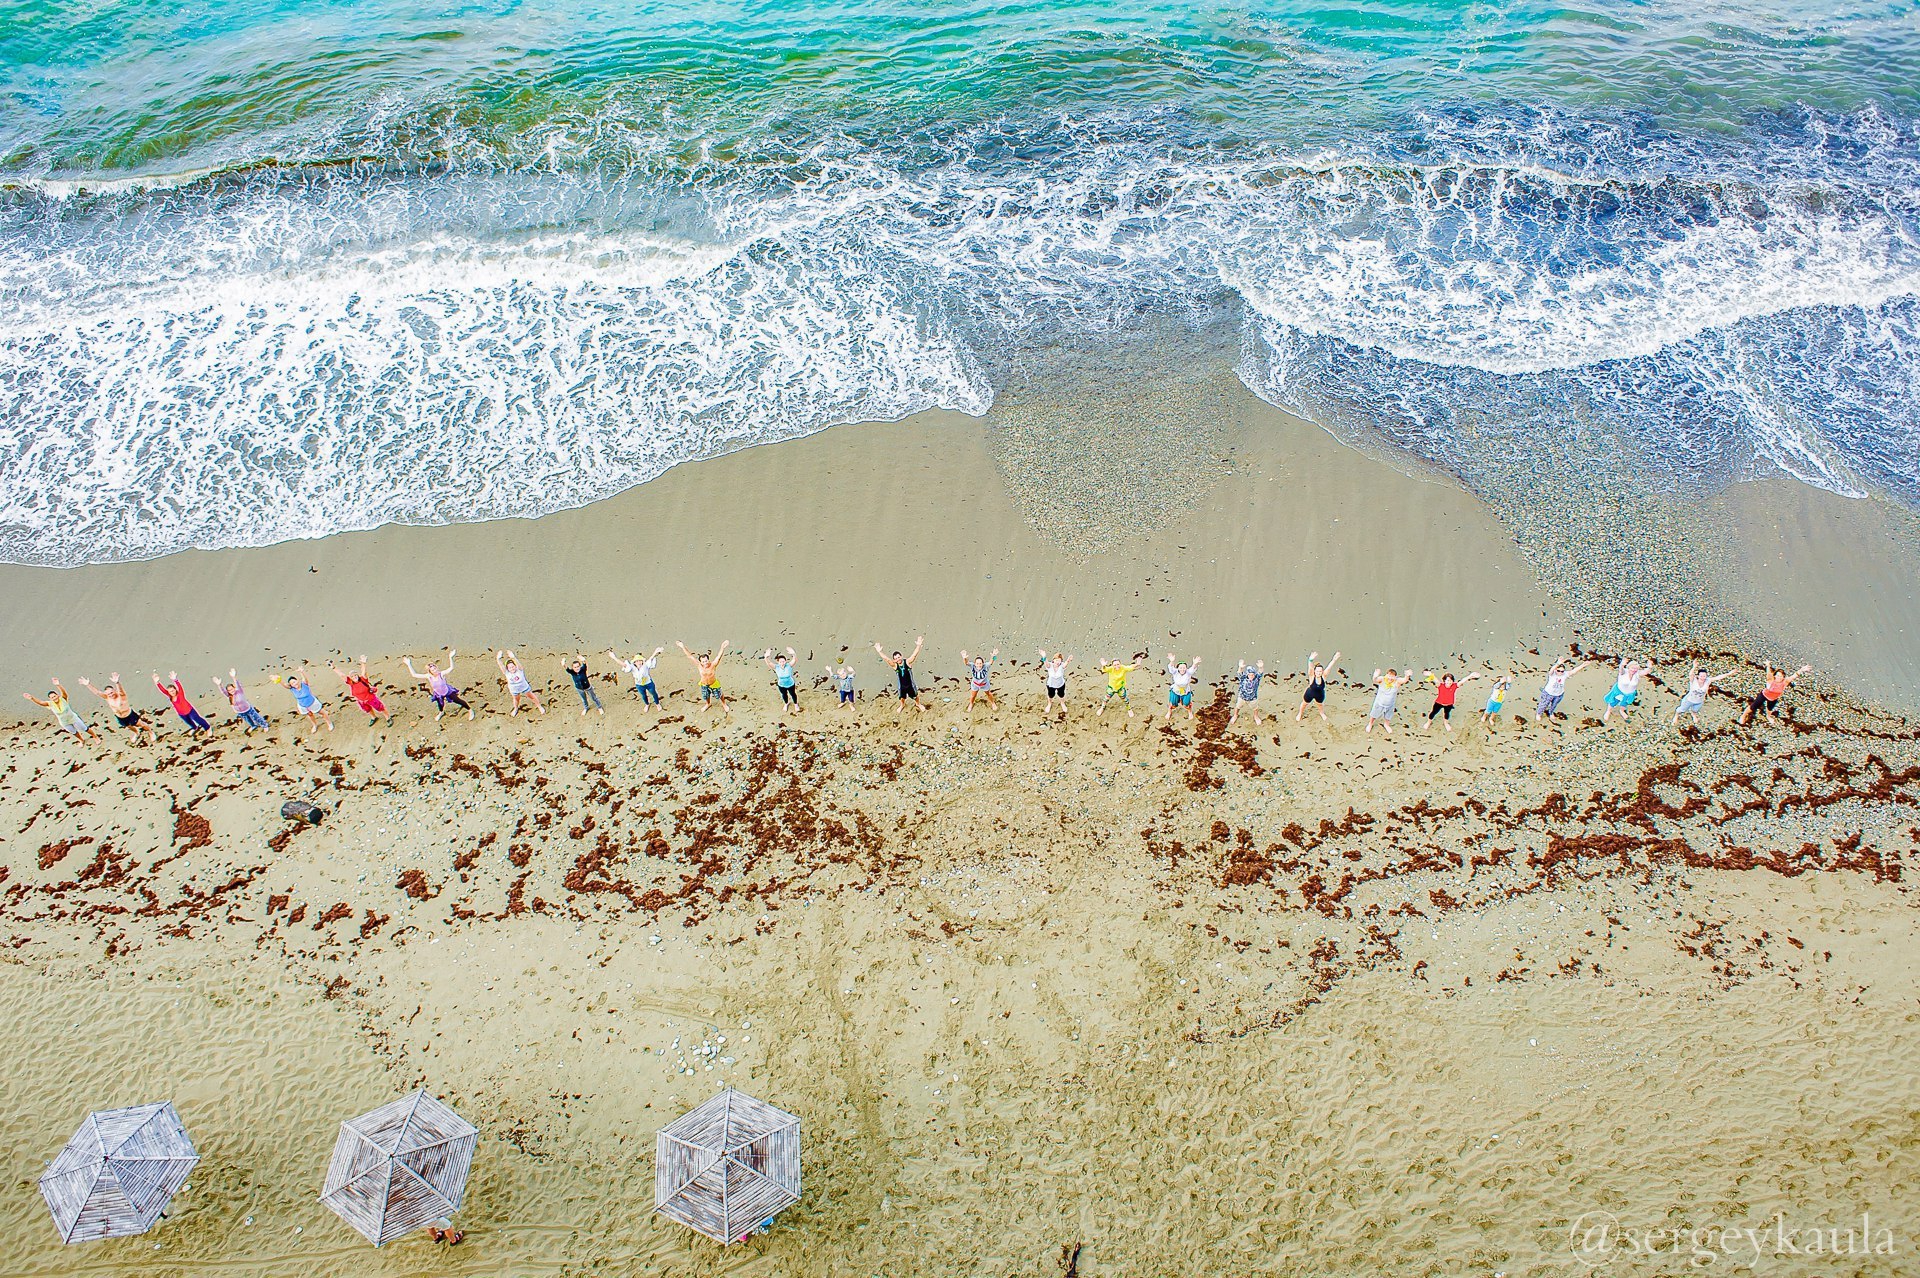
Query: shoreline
x,y
845,537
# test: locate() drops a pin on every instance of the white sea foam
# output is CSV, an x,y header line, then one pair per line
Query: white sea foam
x,y
242,361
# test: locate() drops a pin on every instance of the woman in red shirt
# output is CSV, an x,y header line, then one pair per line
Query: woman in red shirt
x,y
1445,689
176,693
363,694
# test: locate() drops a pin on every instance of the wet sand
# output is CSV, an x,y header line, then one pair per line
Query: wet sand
x,y
857,534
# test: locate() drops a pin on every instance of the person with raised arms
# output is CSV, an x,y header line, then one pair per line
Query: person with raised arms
x,y
518,685
305,700
243,708
176,694
1053,673
361,689
842,677
1246,681
1316,691
1496,698
64,714
1446,690
439,687
1555,686
979,678
1626,687
1699,683
115,695
903,674
1767,700
583,684
1116,672
784,678
1388,685
1181,676
641,668
707,667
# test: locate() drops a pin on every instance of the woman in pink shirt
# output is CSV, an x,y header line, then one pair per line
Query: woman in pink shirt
x,y
176,693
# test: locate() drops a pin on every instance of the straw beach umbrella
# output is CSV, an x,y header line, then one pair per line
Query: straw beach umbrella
x,y
400,1167
727,1166
115,1176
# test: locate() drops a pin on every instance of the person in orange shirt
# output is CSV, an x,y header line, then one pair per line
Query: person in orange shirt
x,y
1767,700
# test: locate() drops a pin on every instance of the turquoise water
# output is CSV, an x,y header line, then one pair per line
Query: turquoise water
x,y
276,270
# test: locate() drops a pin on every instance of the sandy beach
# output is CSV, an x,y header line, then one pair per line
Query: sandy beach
x,y
1093,997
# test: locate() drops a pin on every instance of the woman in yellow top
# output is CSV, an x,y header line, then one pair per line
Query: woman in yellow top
x,y
1116,674
63,713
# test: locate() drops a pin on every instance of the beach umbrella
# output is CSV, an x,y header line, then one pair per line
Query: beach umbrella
x,y
400,1167
727,1166
115,1176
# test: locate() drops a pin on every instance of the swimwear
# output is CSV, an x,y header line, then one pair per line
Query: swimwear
x,y
907,691
131,719
711,692
1316,691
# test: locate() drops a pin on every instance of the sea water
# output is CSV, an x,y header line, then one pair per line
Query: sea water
x,y
280,269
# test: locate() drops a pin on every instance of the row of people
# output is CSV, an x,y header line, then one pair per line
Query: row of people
x,y
978,672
